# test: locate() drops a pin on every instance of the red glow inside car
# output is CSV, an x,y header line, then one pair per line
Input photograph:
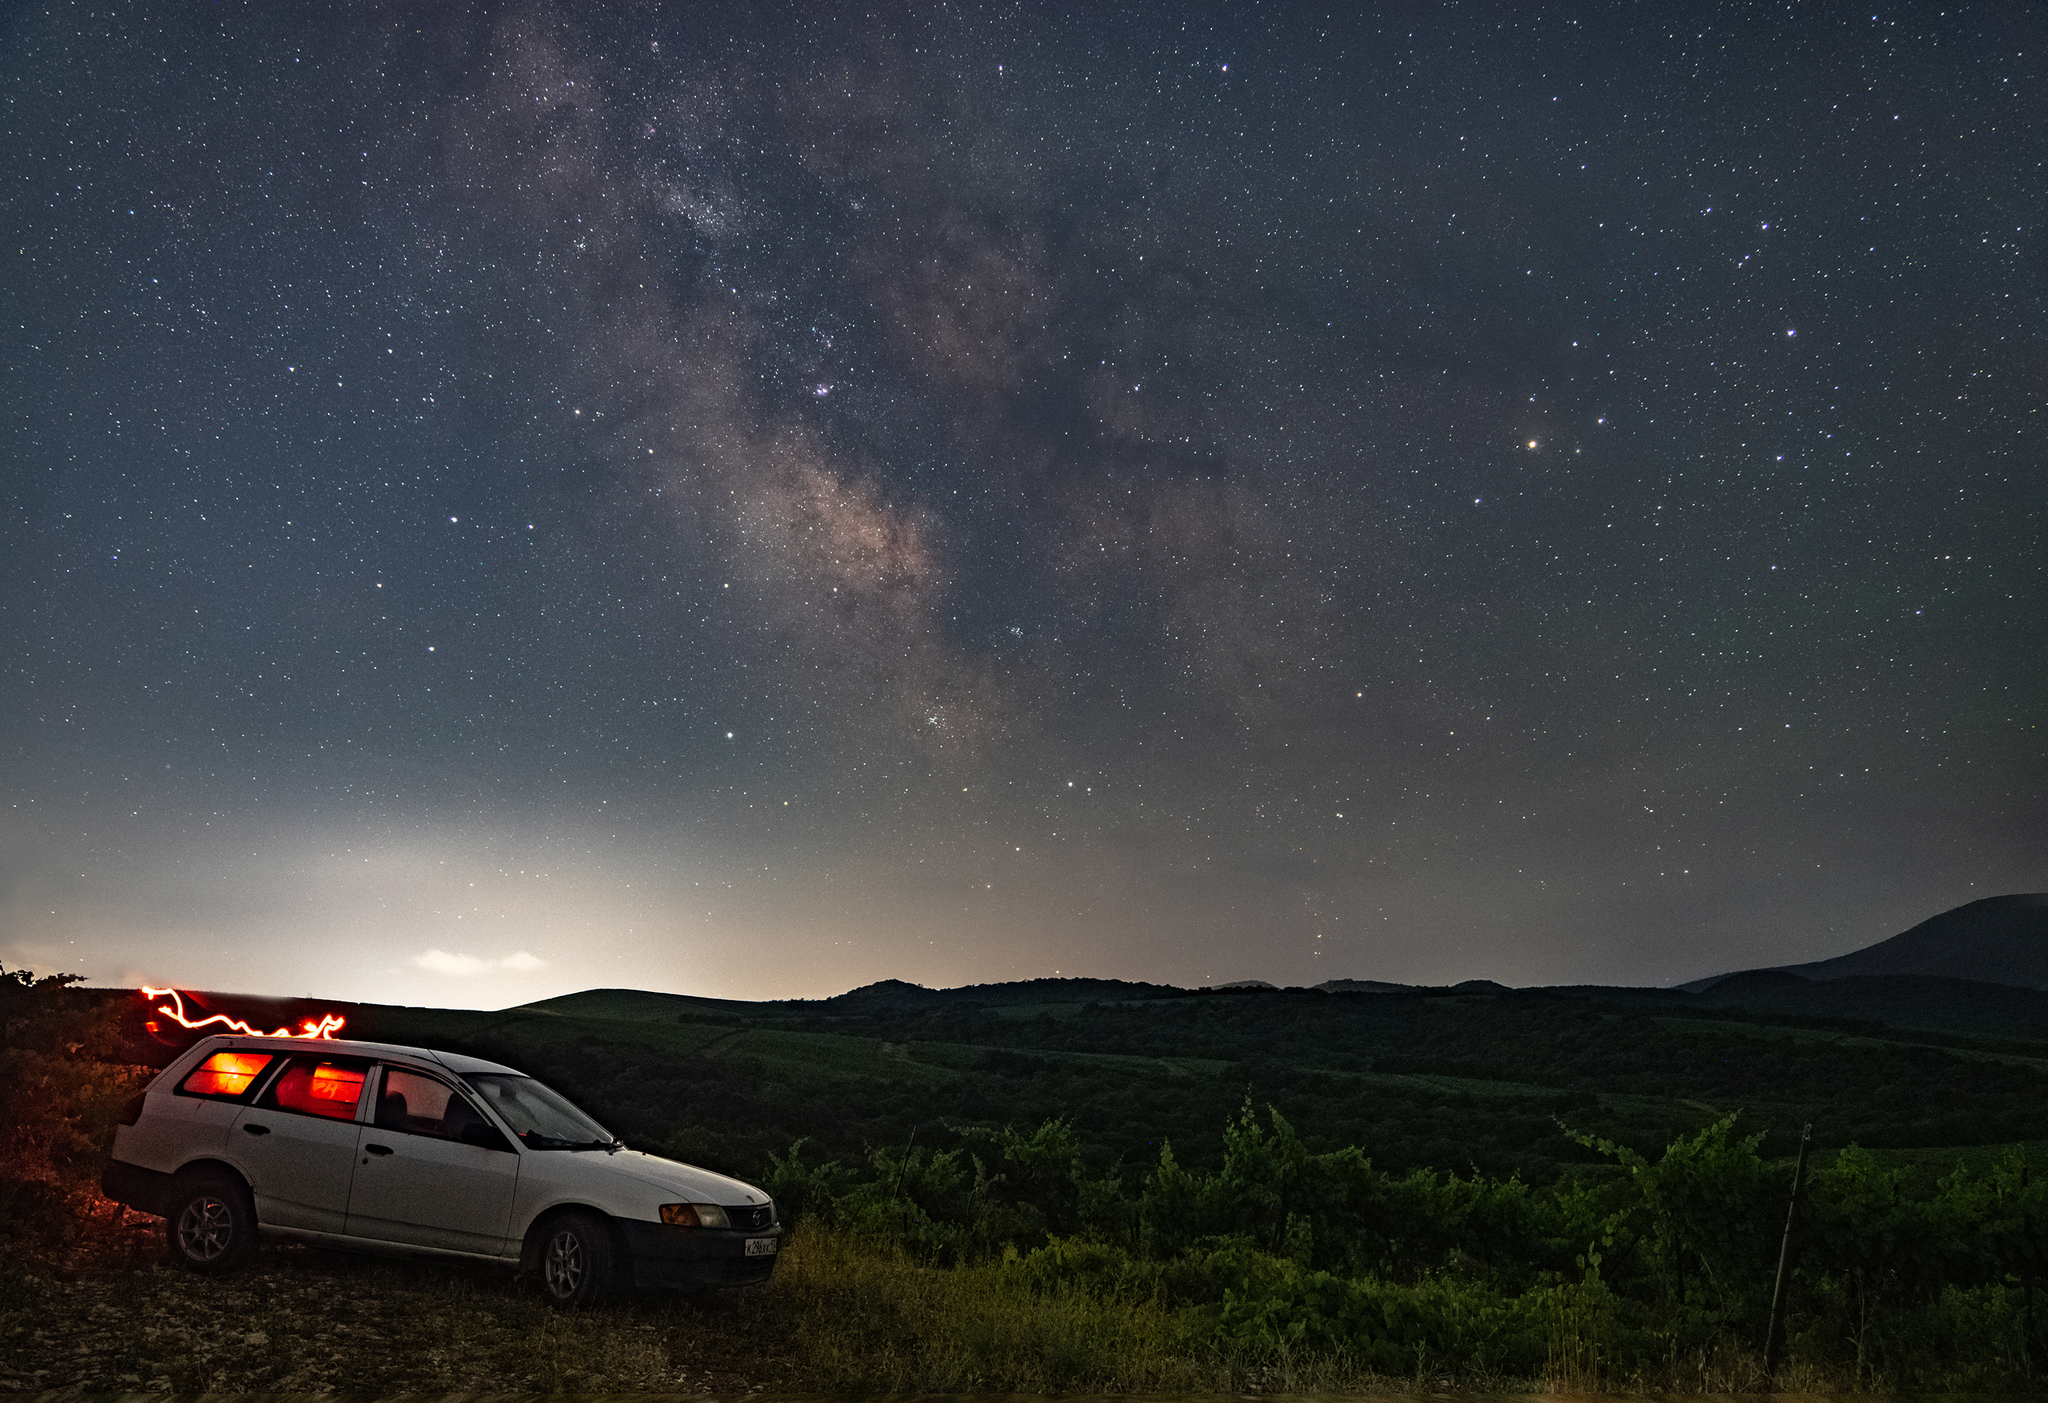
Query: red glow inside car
x,y
323,1090
227,1073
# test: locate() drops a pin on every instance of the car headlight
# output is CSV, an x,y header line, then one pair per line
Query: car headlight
x,y
694,1215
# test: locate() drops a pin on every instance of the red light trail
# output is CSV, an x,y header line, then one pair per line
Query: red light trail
x,y
326,1026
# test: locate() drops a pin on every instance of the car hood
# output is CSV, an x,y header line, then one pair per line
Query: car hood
x,y
686,1181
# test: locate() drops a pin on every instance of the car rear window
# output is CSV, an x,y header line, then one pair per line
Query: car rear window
x,y
319,1086
226,1075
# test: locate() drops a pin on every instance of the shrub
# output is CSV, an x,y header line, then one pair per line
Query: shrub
x,y
62,1086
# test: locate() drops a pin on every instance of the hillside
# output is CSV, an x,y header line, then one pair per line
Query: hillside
x,y
1883,1050
1473,1077
1421,1165
1998,940
885,996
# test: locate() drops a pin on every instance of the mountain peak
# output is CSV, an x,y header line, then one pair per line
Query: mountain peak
x,y
1995,940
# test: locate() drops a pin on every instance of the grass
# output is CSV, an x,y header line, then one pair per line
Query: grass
x,y
1794,1036
870,1320
102,1313
304,1321
840,1316
829,1053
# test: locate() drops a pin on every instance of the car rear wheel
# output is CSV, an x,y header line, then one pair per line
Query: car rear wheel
x,y
576,1259
209,1224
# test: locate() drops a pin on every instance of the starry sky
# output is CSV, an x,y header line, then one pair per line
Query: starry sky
x,y
750,500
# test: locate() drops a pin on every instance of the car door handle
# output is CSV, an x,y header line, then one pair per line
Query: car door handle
x,y
257,1129
378,1149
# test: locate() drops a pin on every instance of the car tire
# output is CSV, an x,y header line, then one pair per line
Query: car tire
x,y
209,1223
577,1259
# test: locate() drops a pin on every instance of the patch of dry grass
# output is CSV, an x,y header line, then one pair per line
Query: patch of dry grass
x,y
863,1318
838,1316
869,1319
302,1320
104,1314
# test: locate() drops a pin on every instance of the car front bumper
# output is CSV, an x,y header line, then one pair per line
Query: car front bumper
x,y
665,1255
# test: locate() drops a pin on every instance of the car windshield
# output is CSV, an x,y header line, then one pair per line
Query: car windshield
x,y
541,1118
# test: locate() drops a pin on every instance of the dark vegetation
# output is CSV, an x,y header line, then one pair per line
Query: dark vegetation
x,y
67,1063
1431,1078
1286,1186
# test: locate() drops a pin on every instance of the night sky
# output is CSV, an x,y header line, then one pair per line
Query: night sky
x,y
749,501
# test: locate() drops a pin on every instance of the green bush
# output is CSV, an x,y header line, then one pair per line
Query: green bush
x,y
1658,1273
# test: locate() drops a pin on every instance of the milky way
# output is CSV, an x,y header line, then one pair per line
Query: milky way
x,y
512,499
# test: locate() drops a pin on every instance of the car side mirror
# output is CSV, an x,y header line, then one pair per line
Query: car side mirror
x,y
487,1137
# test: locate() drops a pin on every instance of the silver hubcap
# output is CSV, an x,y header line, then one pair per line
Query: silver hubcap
x,y
205,1229
564,1265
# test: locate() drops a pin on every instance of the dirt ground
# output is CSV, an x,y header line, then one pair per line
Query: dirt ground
x,y
115,1318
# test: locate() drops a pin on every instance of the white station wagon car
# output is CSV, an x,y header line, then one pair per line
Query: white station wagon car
x,y
402,1150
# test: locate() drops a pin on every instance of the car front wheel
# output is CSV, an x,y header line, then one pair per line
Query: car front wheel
x,y
209,1224
576,1259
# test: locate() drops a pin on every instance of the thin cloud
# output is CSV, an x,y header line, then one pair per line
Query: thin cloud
x,y
462,966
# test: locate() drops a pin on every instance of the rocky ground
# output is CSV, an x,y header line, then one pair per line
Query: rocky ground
x,y
114,1318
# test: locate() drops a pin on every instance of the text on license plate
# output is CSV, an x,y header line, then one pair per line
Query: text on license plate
x,y
760,1247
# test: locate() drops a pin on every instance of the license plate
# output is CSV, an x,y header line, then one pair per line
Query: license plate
x,y
761,1246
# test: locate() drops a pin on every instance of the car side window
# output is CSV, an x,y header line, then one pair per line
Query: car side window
x,y
226,1076
318,1086
422,1105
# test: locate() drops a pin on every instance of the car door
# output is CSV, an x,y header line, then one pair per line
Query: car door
x,y
432,1171
297,1144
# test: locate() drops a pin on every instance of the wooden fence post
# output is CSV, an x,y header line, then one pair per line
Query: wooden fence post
x,y
2027,1285
1777,1322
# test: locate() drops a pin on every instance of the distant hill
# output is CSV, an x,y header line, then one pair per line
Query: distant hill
x,y
1998,940
1471,1075
1979,971
887,996
1468,1075
895,994
636,1005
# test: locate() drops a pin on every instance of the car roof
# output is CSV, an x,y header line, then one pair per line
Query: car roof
x,y
453,1061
